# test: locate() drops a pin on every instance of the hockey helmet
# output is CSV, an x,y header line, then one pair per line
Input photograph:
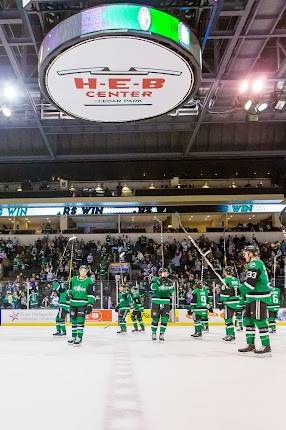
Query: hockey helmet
x,y
251,248
229,270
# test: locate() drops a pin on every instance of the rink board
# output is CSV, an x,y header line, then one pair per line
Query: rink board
x,y
103,317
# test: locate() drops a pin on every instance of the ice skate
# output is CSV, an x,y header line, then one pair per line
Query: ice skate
x,y
161,337
228,338
71,341
263,352
197,335
57,334
77,341
272,331
134,330
121,331
249,349
154,337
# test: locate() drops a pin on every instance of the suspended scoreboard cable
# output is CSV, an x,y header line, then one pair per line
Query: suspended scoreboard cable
x,y
119,63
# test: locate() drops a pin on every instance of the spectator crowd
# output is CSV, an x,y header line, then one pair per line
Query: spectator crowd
x,y
27,271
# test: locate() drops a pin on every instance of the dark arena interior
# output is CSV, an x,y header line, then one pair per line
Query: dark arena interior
x,y
142,214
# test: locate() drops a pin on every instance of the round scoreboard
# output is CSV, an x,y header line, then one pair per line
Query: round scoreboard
x,y
119,63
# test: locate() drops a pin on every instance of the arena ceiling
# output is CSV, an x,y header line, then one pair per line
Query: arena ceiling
x,y
238,37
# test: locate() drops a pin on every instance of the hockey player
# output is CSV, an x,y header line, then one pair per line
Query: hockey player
x,y
231,301
137,310
198,308
239,317
210,308
81,297
273,308
257,298
34,299
64,307
162,289
123,307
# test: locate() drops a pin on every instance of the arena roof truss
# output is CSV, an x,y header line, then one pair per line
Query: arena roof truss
x,y
238,38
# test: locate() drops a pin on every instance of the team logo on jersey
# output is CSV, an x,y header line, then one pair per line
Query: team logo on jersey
x,y
79,288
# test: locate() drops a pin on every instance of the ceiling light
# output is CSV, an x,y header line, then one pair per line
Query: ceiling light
x,y
125,190
152,187
248,104
6,111
9,92
258,85
244,86
280,104
280,85
99,189
72,188
206,185
19,188
261,107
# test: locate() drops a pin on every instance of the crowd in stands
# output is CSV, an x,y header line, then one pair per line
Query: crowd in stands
x,y
33,267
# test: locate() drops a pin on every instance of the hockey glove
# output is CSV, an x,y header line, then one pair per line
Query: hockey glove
x,y
88,309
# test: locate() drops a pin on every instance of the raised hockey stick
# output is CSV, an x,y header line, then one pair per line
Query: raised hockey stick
x,y
199,249
72,239
63,254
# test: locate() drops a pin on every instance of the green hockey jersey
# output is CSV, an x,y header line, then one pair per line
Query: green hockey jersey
x,y
124,300
256,284
34,300
200,300
274,300
162,290
137,302
81,291
230,293
62,291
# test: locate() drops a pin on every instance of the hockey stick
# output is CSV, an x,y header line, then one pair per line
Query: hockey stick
x,y
108,325
199,249
236,272
63,254
202,269
72,239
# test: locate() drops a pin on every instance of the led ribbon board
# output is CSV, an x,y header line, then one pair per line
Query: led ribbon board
x,y
119,63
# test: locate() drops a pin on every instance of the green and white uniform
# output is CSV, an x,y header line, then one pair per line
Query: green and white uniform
x,y
273,308
210,306
257,298
81,295
64,306
232,302
123,307
138,309
34,300
199,308
162,290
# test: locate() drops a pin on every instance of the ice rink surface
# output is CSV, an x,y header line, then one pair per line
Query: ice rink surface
x,y
126,382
